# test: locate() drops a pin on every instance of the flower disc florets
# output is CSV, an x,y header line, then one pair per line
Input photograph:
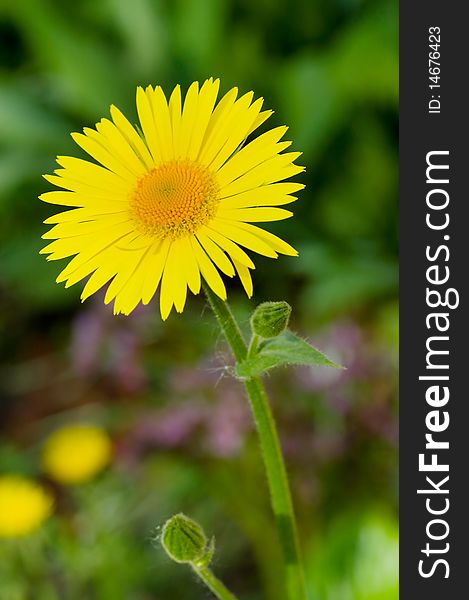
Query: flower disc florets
x,y
174,200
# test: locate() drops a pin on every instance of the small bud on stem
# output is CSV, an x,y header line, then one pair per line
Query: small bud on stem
x,y
185,541
270,319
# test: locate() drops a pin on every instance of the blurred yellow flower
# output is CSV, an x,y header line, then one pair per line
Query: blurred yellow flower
x,y
24,505
174,200
76,453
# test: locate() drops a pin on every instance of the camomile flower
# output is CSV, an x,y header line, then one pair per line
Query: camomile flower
x,y
24,506
172,200
76,453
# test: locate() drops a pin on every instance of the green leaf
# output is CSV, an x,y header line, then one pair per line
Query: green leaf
x,y
286,349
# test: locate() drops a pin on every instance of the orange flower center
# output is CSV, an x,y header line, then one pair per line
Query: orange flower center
x,y
174,199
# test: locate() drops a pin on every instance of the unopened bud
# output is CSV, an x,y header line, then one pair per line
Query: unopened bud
x,y
270,319
184,540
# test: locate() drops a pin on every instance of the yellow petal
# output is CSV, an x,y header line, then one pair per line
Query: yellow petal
x,y
119,147
83,271
256,152
98,279
189,114
255,215
127,299
178,276
274,242
86,245
83,214
175,113
93,175
132,137
273,194
232,249
207,98
91,256
173,284
87,192
239,234
64,198
216,135
102,155
275,169
127,263
72,229
209,272
131,293
189,264
155,267
245,277
242,120
216,254
162,123
145,115
261,118
222,143
91,248
60,249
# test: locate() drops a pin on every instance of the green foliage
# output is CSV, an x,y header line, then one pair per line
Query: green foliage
x,y
285,349
329,70
355,558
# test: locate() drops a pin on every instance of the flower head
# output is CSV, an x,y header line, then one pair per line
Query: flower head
x,y
76,453
173,201
24,505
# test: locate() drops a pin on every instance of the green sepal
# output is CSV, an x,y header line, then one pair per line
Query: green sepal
x,y
206,559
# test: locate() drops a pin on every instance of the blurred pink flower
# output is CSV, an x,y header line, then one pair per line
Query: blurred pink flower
x,y
101,344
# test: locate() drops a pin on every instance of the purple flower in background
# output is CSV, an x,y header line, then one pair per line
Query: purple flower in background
x,y
100,343
124,360
205,411
227,424
87,335
170,427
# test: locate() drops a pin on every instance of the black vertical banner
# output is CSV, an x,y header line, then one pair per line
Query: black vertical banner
x,y
434,414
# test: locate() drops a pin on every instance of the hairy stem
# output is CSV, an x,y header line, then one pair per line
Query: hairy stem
x,y
213,583
271,452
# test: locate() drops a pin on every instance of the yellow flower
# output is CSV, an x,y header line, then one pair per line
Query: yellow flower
x,y
172,202
24,505
75,453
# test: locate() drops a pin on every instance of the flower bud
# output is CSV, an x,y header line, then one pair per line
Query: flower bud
x,y
270,319
183,539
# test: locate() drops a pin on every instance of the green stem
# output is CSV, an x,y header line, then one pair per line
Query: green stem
x,y
213,583
271,451
253,344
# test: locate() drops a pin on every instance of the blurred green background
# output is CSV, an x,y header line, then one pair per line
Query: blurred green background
x,y
182,433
